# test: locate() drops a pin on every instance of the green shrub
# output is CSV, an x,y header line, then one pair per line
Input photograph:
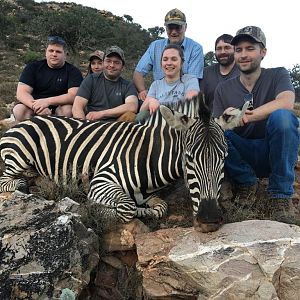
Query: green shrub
x,y
31,56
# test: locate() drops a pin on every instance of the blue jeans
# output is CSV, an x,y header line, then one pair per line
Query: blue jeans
x,y
274,156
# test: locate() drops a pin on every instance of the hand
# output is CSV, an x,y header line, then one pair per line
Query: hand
x,y
247,117
39,105
142,95
153,105
95,115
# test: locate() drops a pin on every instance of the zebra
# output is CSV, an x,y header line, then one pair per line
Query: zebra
x,y
126,162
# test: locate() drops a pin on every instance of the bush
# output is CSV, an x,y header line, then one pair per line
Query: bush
x,y
31,56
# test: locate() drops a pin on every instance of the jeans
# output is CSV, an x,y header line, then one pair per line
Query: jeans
x,y
274,156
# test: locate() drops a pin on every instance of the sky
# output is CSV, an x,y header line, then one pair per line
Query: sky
x,y
279,20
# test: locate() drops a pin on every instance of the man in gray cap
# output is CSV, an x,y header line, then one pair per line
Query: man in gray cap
x,y
175,23
266,143
106,95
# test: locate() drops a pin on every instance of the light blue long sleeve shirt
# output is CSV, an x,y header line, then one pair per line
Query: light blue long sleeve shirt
x,y
193,58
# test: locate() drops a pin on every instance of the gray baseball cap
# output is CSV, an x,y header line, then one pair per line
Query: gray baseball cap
x,y
253,32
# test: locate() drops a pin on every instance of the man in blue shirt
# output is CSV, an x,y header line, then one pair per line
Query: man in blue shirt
x,y
175,22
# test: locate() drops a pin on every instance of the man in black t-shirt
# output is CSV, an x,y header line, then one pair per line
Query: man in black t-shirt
x,y
221,71
48,86
267,141
107,96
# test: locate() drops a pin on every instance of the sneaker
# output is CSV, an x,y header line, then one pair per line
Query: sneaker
x,y
245,195
282,210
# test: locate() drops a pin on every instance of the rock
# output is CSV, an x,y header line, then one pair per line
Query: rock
x,y
257,259
45,253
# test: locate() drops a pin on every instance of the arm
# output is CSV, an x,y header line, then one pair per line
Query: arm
x,y
284,100
78,107
150,104
131,104
68,98
24,92
139,82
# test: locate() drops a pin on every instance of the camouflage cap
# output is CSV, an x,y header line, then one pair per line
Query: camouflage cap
x,y
175,16
250,31
116,50
98,53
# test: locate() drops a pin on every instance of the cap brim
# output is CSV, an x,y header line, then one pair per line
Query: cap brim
x,y
237,38
175,22
95,56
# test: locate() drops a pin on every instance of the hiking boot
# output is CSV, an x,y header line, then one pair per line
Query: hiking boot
x,y
245,195
282,210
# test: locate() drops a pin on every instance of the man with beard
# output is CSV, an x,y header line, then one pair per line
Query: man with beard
x,y
106,95
175,22
221,71
267,141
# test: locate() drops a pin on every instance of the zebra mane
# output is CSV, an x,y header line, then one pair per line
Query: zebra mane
x,y
189,107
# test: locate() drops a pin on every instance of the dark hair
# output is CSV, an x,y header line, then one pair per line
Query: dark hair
x,y
54,39
224,37
180,51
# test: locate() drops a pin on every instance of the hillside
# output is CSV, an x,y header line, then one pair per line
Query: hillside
x,y
26,24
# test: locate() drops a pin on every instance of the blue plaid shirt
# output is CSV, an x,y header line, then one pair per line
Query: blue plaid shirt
x,y
193,58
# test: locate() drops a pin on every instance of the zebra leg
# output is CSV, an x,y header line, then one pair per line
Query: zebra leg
x,y
156,209
10,184
115,204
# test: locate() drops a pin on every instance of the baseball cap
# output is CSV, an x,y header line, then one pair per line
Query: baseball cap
x,y
250,31
175,16
98,53
117,50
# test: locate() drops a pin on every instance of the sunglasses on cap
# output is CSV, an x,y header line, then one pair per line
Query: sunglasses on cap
x,y
176,27
249,97
56,40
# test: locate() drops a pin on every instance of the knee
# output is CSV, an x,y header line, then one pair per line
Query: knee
x,y
282,119
22,112
64,110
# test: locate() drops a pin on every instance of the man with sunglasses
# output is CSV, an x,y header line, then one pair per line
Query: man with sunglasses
x,y
48,86
175,22
267,141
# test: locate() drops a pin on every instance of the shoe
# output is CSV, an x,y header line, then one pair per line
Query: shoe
x,y
282,210
245,195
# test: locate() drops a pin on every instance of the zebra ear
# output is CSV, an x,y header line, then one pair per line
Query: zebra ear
x,y
231,117
175,119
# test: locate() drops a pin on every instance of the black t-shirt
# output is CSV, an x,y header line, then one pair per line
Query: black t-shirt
x,y
211,78
47,82
103,94
231,93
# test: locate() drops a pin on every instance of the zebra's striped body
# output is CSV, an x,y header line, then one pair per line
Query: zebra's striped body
x,y
125,161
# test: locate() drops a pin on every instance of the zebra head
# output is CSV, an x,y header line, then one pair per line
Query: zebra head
x,y
204,153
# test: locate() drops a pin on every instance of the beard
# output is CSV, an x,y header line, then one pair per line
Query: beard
x,y
254,65
225,60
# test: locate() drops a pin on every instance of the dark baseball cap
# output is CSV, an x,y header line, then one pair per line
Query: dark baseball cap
x,y
115,50
175,16
253,32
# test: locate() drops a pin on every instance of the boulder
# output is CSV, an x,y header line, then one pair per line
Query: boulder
x,y
45,250
256,259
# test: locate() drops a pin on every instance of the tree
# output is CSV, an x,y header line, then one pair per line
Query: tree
x,y
156,31
295,76
209,59
128,18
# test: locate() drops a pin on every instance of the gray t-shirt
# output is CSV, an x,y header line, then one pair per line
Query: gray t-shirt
x,y
103,94
166,92
211,78
231,93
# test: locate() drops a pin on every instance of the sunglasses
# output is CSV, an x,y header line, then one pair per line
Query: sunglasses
x,y
176,27
249,97
56,40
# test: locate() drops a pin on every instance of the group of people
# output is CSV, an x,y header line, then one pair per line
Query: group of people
x,y
267,141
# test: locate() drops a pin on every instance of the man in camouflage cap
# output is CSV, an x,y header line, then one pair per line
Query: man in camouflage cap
x,y
175,23
266,144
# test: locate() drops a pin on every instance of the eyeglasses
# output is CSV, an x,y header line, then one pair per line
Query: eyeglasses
x,y
249,97
56,40
176,27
